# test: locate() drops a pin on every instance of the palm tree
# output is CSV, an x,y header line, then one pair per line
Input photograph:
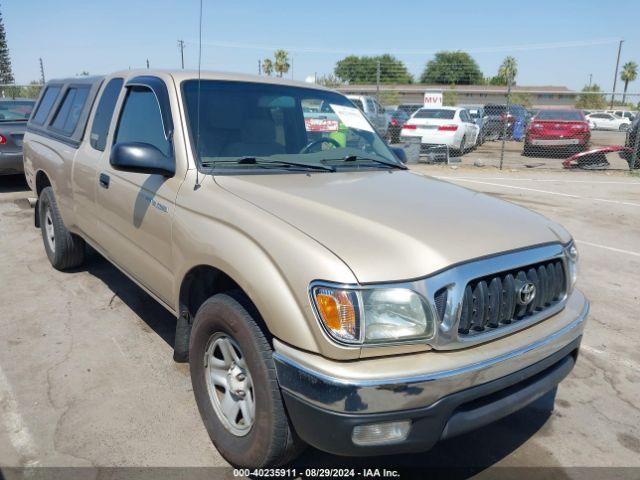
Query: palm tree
x,y
282,62
267,66
629,74
509,69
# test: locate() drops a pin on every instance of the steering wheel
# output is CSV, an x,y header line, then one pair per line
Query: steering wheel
x,y
319,142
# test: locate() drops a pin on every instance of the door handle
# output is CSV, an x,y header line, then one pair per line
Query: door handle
x,y
104,180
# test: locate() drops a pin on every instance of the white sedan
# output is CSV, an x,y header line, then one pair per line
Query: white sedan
x,y
451,126
607,121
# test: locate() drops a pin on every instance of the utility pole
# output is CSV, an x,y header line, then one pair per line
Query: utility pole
x,y
147,64
590,79
181,47
615,77
259,67
378,81
42,72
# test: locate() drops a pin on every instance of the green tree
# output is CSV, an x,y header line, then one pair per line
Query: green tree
x,y
450,98
6,74
591,98
629,74
330,81
523,99
32,90
267,66
281,65
508,70
355,69
447,68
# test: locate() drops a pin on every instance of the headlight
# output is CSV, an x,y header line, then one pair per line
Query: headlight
x,y
572,261
373,315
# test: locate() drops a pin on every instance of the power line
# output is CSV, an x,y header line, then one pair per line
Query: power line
x,y
502,48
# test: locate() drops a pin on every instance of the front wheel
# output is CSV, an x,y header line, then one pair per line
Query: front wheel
x,y
624,127
235,385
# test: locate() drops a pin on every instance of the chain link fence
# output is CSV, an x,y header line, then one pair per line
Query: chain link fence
x,y
14,91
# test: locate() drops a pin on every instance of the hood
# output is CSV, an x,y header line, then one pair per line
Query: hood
x,y
395,225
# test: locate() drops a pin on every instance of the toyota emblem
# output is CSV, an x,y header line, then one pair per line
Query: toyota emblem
x,y
526,293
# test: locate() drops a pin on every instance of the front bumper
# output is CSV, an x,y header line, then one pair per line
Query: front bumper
x,y
11,163
325,409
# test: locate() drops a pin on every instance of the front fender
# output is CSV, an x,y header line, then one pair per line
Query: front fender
x,y
271,261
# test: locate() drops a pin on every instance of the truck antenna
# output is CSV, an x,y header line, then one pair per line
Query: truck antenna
x,y
197,185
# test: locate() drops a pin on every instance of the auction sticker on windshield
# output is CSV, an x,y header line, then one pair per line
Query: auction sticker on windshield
x,y
352,117
321,125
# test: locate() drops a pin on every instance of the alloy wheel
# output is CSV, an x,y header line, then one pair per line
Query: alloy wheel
x,y
229,384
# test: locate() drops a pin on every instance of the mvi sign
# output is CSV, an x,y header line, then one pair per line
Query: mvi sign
x,y
433,98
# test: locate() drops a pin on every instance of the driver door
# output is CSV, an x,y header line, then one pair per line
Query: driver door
x,y
136,209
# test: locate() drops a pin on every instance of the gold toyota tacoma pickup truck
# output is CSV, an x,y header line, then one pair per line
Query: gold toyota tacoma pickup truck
x,y
324,293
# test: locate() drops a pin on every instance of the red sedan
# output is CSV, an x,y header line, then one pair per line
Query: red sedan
x,y
556,131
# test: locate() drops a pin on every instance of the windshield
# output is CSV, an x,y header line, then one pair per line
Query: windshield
x,y
560,115
12,110
252,126
435,113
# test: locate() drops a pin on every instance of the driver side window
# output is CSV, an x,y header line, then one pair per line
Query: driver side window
x,y
141,120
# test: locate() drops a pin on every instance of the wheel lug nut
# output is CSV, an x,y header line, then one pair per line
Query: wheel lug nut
x,y
240,377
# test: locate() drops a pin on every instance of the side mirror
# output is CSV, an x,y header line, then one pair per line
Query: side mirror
x,y
400,153
141,157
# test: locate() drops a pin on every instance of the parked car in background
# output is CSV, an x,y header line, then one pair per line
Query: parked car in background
x,y
13,122
410,108
623,114
450,126
375,112
398,119
607,121
498,118
479,117
266,245
557,131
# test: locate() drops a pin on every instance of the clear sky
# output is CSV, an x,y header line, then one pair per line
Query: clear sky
x,y
73,36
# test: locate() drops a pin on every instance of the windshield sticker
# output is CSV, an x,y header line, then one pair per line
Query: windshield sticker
x,y
352,117
321,125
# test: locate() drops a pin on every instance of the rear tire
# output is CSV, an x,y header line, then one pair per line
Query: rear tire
x,y
64,249
458,152
267,438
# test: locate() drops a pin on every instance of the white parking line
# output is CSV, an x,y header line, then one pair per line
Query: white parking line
x,y
612,249
548,180
548,192
17,431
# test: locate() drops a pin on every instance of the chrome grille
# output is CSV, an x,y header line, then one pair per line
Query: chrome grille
x,y
491,302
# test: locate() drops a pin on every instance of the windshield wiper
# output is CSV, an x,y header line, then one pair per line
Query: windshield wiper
x,y
353,158
261,161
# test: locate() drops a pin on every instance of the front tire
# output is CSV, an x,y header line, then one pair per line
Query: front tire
x,y
64,249
235,385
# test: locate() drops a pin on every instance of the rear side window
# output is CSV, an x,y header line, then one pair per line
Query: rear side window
x,y
560,115
435,113
48,99
68,114
141,120
104,112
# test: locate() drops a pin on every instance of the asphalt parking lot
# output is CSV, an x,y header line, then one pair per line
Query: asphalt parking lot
x,y
87,376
